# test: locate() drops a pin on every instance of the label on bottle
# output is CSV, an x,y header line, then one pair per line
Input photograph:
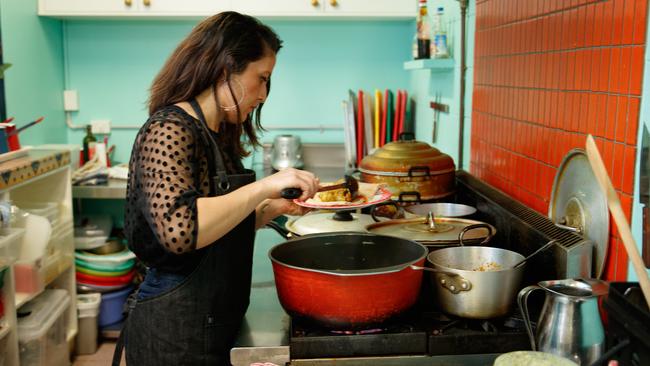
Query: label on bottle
x,y
440,43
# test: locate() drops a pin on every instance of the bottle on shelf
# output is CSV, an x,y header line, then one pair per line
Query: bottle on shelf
x,y
439,35
422,44
88,144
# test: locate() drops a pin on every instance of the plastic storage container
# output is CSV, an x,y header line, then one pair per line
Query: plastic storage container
x,y
42,330
10,243
92,231
49,210
112,305
88,310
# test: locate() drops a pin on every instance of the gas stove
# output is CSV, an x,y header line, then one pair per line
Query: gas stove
x,y
424,335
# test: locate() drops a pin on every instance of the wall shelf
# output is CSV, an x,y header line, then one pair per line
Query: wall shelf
x,y
431,63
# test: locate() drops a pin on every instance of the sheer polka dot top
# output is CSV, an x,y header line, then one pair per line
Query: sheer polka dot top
x,y
168,172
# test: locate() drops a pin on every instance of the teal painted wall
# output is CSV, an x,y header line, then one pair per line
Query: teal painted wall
x,y
444,86
106,62
34,82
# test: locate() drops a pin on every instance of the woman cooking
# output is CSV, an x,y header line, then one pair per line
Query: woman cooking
x,y
192,209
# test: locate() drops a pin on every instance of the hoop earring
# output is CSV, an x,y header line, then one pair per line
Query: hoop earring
x,y
241,99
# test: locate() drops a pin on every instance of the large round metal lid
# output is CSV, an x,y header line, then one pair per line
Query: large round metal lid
x,y
401,156
578,203
445,232
326,222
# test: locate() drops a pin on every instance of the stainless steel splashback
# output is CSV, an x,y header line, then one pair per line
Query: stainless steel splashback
x,y
326,160
524,230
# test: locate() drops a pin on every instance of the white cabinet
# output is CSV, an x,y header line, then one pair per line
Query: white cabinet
x,y
39,182
355,9
131,8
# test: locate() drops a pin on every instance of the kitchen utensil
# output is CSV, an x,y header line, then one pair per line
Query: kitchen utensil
x,y
349,182
369,128
360,132
30,124
444,209
286,152
410,166
349,135
317,222
619,217
644,195
111,246
347,280
543,248
436,233
578,204
473,293
381,195
569,324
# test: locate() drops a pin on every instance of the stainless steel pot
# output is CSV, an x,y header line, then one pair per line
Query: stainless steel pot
x,y
473,293
444,209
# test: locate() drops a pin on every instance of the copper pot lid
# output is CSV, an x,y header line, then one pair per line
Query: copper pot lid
x,y
444,231
326,221
407,158
578,204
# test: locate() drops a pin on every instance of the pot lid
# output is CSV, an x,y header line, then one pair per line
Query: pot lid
x,y
578,204
446,231
404,156
327,221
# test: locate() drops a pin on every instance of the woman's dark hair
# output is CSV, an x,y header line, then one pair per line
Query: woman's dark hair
x,y
217,48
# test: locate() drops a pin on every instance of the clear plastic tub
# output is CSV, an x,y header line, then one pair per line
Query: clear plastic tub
x,y
10,243
50,210
41,330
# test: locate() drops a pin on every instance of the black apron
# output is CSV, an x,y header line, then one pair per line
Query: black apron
x,y
197,321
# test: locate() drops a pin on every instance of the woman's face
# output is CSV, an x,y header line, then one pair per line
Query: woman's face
x,y
248,89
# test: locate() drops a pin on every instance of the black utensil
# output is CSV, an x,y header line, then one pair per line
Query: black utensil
x,y
350,183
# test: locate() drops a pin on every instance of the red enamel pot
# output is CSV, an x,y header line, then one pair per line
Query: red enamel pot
x,y
347,280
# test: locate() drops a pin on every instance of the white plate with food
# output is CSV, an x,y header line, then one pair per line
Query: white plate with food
x,y
368,194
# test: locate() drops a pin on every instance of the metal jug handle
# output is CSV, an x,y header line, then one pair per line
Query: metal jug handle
x,y
522,300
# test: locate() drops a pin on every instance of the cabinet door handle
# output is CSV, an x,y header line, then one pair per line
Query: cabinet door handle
x,y
314,3
146,2
128,2
334,3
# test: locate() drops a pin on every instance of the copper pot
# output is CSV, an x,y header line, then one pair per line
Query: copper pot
x,y
410,167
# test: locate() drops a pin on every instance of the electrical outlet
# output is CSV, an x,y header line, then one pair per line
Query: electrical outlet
x,y
70,101
101,126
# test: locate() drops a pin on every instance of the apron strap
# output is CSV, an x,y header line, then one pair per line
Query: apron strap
x,y
218,177
119,347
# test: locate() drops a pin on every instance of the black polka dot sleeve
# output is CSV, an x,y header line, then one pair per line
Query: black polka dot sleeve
x,y
168,168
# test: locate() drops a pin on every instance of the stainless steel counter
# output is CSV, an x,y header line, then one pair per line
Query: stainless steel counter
x,y
115,189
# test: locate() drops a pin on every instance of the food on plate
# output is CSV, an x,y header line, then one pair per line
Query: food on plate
x,y
339,197
336,195
488,266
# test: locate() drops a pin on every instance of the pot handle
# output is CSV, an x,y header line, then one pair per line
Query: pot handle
x,y
467,228
453,282
399,212
522,300
281,230
414,169
415,194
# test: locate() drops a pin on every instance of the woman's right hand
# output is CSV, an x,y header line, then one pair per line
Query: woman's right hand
x,y
291,178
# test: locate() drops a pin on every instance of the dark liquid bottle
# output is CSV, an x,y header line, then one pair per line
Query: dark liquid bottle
x,y
88,144
423,35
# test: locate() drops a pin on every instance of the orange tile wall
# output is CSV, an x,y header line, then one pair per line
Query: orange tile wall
x,y
547,73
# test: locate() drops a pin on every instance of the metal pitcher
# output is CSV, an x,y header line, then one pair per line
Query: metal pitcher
x,y
569,324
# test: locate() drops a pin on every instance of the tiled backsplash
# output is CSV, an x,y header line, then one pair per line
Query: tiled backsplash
x,y
547,73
